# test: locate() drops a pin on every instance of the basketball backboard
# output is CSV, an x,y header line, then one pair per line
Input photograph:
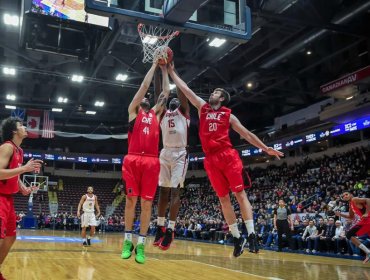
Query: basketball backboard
x,y
228,19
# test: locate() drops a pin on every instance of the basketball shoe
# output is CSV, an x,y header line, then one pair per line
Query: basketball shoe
x,y
253,243
140,254
167,239
239,246
159,235
367,259
88,242
127,249
84,244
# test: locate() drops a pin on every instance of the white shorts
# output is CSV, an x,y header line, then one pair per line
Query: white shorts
x,y
174,164
88,219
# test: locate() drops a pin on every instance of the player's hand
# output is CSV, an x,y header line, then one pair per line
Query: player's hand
x,y
155,61
271,152
33,165
292,228
366,215
34,188
171,66
98,215
78,214
24,190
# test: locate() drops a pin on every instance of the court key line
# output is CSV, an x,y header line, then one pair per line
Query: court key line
x,y
238,271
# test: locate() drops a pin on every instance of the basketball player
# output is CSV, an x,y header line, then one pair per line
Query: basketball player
x,y
222,163
11,159
174,164
88,203
360,207
140,168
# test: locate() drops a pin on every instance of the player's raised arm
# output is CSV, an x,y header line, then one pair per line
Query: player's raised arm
x,y
134,105
252,138
184,103
193,98
163,97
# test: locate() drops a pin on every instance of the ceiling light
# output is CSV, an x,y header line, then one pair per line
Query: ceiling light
x,y
172,86
57,110
308,52
217,42
77,78
349,97
62,99
150,40
90,112
121,77
249,85
99,103
9,71
11,97
11,20
11,107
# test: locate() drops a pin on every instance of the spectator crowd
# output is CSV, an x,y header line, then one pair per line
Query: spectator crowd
x,y
311,190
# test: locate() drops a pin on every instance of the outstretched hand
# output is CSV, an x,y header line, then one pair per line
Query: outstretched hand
x,y
272,152
171,66
27,190
33,165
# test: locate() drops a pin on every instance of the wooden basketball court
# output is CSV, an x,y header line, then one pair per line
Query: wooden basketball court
x,y
37,256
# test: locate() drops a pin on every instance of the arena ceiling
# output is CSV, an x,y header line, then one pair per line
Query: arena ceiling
x,y
297,45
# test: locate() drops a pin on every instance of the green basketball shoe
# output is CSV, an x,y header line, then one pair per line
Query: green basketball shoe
x,y
127,249
140,254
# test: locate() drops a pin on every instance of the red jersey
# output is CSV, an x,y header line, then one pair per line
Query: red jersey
x,y
10,186
359,212
214,128
143,134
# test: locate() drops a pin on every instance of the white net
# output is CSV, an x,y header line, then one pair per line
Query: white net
x,y
155,41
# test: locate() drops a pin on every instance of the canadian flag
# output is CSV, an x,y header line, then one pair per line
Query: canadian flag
x,y
33,123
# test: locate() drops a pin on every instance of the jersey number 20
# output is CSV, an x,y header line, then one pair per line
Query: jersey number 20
x,y
212,127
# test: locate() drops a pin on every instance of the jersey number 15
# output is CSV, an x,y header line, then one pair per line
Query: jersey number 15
x,y
171,123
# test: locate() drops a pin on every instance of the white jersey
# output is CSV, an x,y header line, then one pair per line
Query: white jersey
x,y
89,204
174,126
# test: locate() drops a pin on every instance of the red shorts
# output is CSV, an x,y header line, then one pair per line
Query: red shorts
x,y
141,174
7,217
225,171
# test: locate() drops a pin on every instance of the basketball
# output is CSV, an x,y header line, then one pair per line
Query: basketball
x,y
165,55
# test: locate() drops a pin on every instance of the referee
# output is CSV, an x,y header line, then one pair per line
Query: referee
x,y
282,219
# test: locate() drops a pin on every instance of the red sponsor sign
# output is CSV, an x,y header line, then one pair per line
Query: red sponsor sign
x,y
346,80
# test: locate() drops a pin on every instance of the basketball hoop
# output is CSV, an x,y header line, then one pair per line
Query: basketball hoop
x,y
154,38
